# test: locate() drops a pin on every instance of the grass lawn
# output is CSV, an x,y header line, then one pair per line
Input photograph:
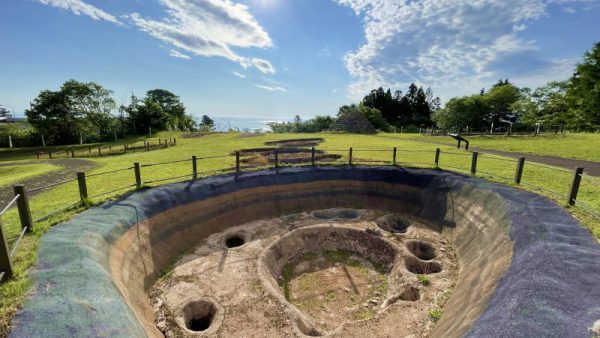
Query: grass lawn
x,y
582,146
411,152
13,174
23,154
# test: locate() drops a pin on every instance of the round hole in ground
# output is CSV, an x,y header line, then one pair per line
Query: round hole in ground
x,y
199,315
410,294
234,241
422,250
392,223
419,267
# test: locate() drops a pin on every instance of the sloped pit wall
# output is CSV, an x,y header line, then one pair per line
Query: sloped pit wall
x,y
94,272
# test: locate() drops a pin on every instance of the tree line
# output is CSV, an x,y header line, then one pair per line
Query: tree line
x,y
86,112
573,103
384,111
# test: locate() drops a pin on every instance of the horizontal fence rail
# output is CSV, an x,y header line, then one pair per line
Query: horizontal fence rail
x,y
100,150
517,171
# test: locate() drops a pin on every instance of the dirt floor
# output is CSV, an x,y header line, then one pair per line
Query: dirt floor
x,y
69,170
217,291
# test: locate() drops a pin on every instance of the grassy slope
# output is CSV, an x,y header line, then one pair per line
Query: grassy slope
x,y
577,146
409,151
12,174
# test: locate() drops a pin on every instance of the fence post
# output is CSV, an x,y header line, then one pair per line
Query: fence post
x,y
312,156
67,153
437,157
83,193
174,141
519,172
237,161
125,148
147,146
50,154
89,151
194,167
99,151
276,158
38,155
5,263
394,160
23,206
350,156
110,149
160,141
575,185
72,153
474,163
138,175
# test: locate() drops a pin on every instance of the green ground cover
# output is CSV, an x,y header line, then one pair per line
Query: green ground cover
x,y
17,173
410,152
582,146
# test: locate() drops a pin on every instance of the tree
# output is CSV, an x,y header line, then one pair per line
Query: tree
x,y
207,121
584,89
374,116
76,109
462,112
172,106
158,110
413,108
317,124
500,99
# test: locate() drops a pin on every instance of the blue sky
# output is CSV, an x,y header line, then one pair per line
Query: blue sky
x,y
278,58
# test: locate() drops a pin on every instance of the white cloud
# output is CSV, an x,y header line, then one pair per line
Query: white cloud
x,y
242,76
263,66
454,46
177,54
79,7
209,28
271,88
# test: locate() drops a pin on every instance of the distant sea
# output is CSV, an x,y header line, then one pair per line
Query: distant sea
x,y
243,123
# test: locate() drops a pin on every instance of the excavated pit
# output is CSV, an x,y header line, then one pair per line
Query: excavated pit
x,y
498,253
324,279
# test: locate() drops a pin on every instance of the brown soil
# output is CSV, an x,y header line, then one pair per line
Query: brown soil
x,y
331,289
344,294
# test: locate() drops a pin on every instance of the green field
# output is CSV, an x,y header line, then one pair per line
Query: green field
x,y
411,152
17,173
577,146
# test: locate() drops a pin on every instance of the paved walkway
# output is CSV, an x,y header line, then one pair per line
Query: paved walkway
x,y
589,167
69,169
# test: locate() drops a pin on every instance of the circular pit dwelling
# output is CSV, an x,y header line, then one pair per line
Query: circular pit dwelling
x,y
318,252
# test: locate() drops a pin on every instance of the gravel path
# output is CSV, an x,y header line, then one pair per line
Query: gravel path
x,y
69,169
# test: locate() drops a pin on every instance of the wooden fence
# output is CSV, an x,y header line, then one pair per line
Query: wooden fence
x,y
98,151
275,159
